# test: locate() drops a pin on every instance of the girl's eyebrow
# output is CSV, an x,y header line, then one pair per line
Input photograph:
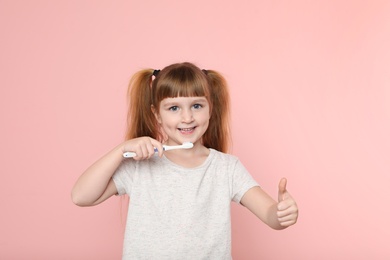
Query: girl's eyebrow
x,y
172,103
199,100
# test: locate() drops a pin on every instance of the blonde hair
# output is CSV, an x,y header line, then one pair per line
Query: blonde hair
x,y
179,80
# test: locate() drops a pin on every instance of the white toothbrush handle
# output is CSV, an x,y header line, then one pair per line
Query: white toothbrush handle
x,y
165,147
171,147
129,154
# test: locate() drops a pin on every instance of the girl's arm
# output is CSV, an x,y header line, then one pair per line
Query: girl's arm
x,y
277,215
95,185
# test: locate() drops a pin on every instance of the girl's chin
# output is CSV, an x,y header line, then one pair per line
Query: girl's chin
x,y
181,141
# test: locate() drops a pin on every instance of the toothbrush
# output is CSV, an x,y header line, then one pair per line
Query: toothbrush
x,y
186,145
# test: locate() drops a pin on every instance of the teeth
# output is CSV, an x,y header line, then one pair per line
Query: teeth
x,y
186,129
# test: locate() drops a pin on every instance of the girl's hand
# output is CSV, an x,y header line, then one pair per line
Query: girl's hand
x,y
287,209
143,147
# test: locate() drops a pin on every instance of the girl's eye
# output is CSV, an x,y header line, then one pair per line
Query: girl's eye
x,y
174,108
197,106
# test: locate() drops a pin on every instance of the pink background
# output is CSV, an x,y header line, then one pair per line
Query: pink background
x,y
310,86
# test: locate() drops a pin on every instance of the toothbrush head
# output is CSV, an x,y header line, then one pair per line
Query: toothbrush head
x,y
187,145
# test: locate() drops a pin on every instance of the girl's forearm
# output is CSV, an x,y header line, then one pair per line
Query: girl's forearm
x,y
93,182
263,206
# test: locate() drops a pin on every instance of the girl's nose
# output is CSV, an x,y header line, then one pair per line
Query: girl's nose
x,y
187,116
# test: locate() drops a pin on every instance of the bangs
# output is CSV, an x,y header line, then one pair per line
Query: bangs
x,y
180,82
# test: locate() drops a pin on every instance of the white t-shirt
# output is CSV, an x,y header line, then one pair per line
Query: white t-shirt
x,y
181,213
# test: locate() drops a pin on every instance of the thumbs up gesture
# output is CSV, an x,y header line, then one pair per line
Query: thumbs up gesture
x,y
287,209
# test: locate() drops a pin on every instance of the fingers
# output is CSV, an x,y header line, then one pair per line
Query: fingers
x,y
287,219
282,189
157,145
143,147
287,212
284,210
288,223
143,151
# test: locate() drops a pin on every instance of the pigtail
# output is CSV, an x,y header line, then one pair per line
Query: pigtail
x,y
218,135
140,118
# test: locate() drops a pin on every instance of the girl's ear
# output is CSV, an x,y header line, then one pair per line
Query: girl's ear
x,y
156,114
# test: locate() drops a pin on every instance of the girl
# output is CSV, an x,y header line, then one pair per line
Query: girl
x,y
179,200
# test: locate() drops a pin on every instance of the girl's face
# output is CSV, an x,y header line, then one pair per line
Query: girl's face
x,y
184,119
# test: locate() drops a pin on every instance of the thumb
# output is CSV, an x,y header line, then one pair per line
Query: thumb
x,y
282,189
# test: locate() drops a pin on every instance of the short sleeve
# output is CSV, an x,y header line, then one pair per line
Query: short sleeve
x,y
123,177
242,181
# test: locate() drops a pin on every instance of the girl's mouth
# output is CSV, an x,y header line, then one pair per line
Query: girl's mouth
x,y
187,130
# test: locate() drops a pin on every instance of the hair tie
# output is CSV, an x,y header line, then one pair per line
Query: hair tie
x,y
205,72
155,72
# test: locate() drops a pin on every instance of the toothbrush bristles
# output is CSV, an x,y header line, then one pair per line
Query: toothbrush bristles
x,y
188,145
